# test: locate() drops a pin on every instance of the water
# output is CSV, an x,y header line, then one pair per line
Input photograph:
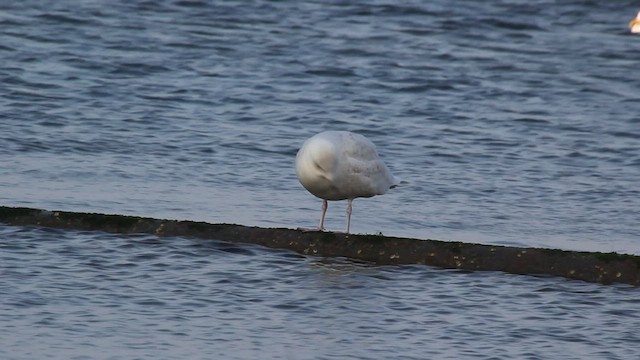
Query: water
x,y
514,122
83,295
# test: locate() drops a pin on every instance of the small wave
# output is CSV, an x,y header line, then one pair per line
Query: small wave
x,y
331,72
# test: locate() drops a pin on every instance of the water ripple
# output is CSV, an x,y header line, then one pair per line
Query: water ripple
x,y
512,121
450,299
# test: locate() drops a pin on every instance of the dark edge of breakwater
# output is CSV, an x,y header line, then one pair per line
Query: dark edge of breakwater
x,y
604,268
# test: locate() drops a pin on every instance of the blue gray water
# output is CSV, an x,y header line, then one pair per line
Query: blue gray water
x,y
83,295
513,122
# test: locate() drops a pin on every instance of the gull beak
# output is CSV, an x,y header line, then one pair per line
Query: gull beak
x,y
634,22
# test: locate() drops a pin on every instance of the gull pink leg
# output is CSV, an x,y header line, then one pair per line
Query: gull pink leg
x,y
325,205
349,215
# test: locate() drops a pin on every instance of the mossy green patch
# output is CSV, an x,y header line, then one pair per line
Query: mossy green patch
x,y
7,212
556,252
614,256
100,221
373,237
327,236
200,226
456,247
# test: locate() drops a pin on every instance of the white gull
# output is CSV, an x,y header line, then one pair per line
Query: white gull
x,y
341,165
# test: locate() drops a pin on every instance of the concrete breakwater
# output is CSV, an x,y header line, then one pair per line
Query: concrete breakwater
x,y
605,268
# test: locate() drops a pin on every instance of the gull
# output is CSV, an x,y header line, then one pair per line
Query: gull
x,y
342,165
634,25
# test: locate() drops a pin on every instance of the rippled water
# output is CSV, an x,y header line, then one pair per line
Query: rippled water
x,y
514,122
80,295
